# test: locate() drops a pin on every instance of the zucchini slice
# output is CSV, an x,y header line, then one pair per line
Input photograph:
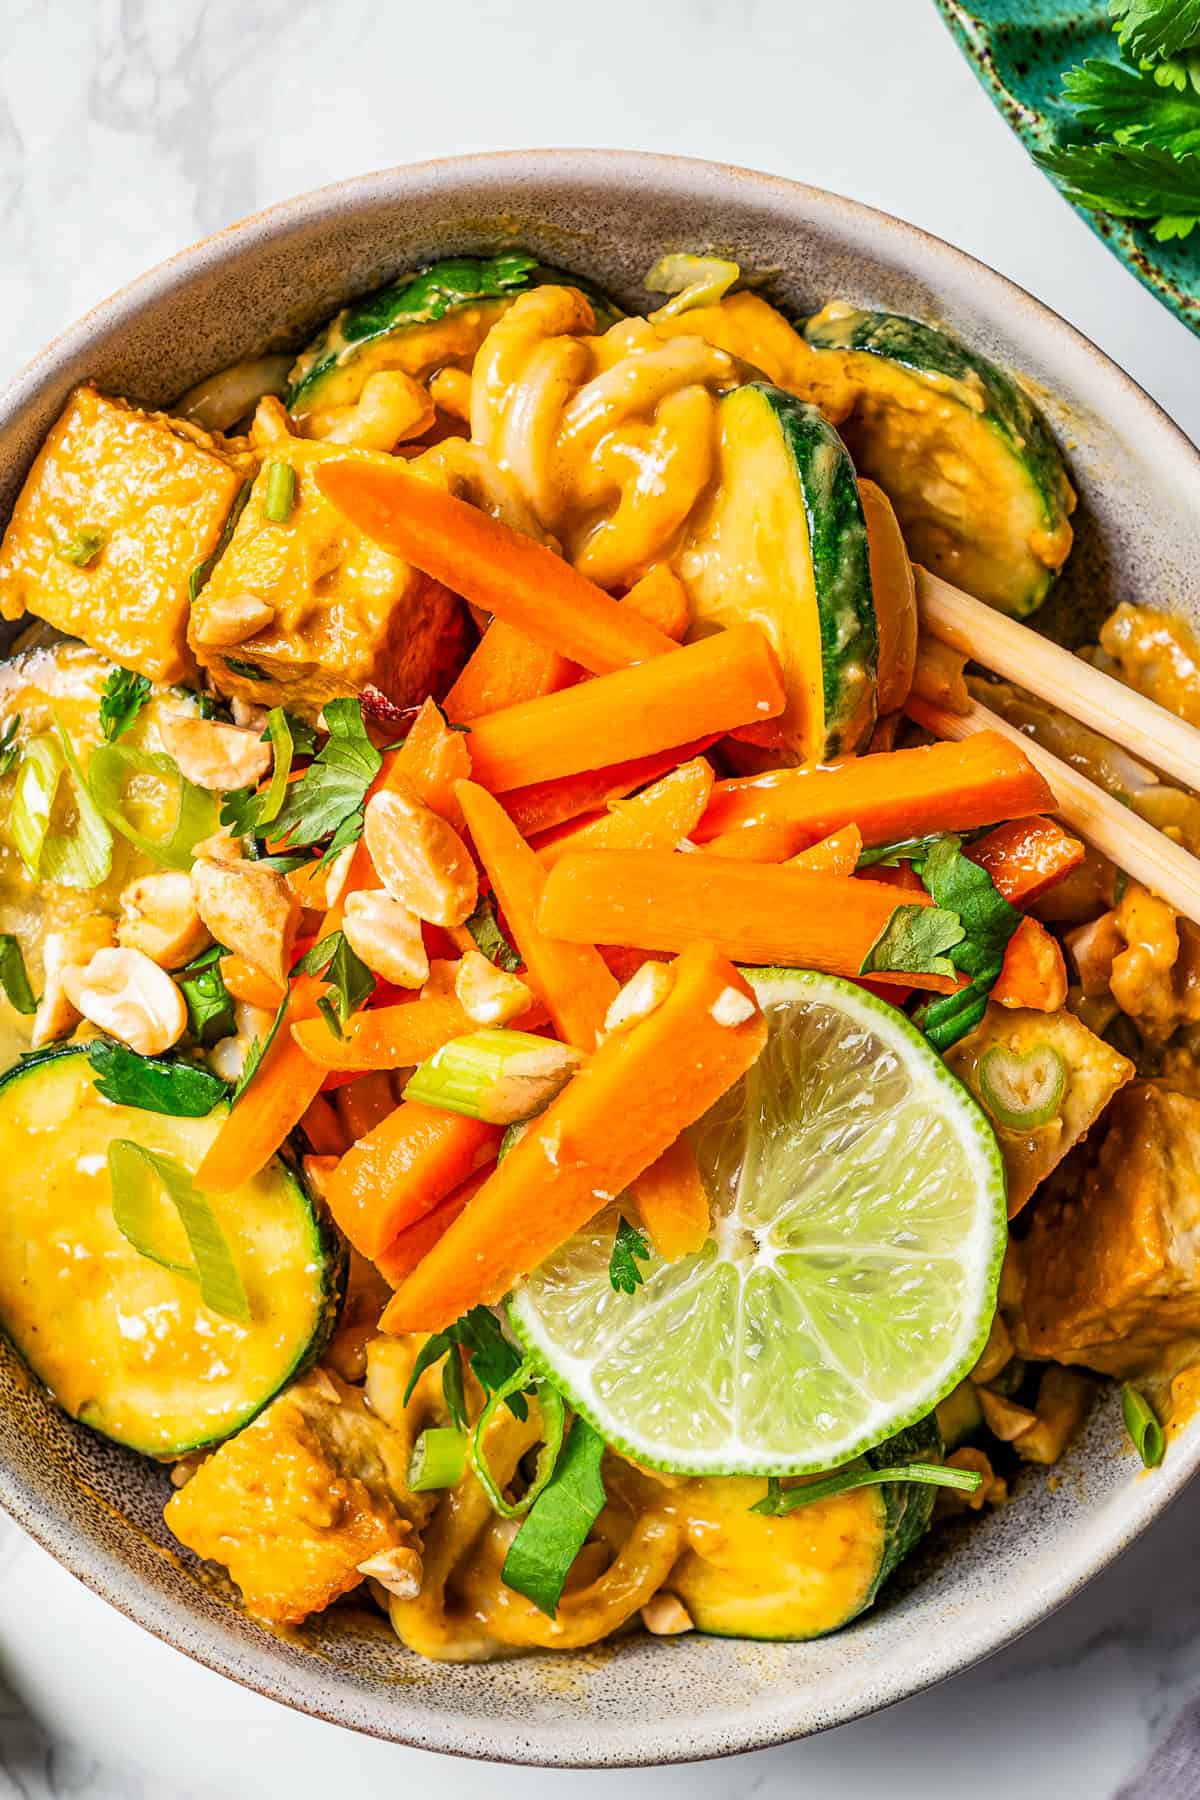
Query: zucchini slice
x,y
433,319
782,541
124,1344
960,450
807,1572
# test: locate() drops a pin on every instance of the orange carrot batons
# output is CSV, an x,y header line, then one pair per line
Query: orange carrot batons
x,y
659,817
433,759
672,1202
896,794
731,678
836,854
1034,972
753,912
545,804
1027,856
627,1105
416,1241
402,1169
492,566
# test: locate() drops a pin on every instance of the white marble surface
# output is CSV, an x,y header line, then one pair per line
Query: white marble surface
x,y
128,129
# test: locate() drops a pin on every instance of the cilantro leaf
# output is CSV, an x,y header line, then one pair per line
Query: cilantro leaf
x,y
349,977
9,747
1156,27
915,939
13,976
209,1002
1133,181
540,1556
239,811
961,886
490,941
330,795
157,1084
122,699
1133,106
256,1052
493,1362
629,1249
888,856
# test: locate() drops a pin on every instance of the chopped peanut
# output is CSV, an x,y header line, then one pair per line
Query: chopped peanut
x,y
732,1008
992,1490
230,619
159,915
253,1023
131,998
420,859
213,755
1064,1396
487,994
387,937
399,1570
664,1615
997,1352
221,847
245,712
318,885
73,947
642,993
1004,1418
252,911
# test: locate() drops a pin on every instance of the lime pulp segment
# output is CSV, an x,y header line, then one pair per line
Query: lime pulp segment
x,y
850,1277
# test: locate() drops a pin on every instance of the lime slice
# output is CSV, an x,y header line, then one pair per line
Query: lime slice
x,y
850,1279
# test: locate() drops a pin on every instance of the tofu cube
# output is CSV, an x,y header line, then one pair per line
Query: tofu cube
x,y
295,1502
340,614
118,509
1113,1271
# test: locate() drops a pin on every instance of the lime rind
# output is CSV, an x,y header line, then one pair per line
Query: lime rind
x,y
816,1323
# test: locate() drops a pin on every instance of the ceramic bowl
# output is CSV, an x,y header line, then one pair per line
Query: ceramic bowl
x,y
610,215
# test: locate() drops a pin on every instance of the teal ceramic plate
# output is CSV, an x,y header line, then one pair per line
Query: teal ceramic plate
x,y
1019,49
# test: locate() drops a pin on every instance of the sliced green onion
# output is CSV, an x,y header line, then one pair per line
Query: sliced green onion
x,y
33,798
84,547
554,1420
1022,1089
279,731
137,1175
779,1500
81,857
497,1075
1142,1424
281,493
9,747
693,280
113,765
556,1527
14,977
439,1459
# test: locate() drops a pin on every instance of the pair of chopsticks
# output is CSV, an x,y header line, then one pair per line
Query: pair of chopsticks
x,y
1138,725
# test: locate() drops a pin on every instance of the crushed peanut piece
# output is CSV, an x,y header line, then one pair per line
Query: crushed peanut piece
x,y
131,998
487,994
399,1570
387,937
229,619
420,858
732,1008
252,911
664,1615
642,994
159,916
212,755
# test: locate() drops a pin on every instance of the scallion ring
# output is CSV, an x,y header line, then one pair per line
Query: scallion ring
x,y
553,1427
1141,1422
1022,1089
439,1459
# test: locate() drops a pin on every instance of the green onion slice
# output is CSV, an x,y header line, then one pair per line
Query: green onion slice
x,y
112,766
692,280
281,493
497,1075
556,1527
33,798
1022,1089
283,744
779,1500
84,547
1141,1422
553,1427
81,857
439,1459
137,1176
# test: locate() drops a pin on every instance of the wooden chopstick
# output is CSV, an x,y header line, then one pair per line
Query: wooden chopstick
x,y
1009,648
1134,845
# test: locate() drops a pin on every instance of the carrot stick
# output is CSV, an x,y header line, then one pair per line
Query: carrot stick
x,y
1034,972
837,854
401,1170
765,841
629,1103
661,598
323,1128
249,984
897,794
433,759
492,566
707,687
672,1202
405,1251
753,912
364,1102
1027,856
544,804
571,978
395,1037
658,818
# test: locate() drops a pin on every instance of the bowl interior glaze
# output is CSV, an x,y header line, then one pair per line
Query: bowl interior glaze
x,y
610,215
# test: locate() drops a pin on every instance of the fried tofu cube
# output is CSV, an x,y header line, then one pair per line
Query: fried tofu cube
x,y
295,1502
1092,1073
1113,1271
118,509
325,612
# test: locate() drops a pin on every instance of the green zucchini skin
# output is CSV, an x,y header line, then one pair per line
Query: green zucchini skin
x,y
909,1504
418,299
947,369
295,1272
783,543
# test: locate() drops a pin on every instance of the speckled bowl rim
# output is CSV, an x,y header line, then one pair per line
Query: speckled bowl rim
x,y
1107,387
